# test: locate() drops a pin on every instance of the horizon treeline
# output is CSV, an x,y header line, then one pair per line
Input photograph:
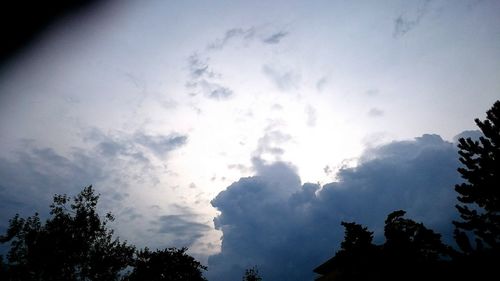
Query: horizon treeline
x,y
414,252
75,242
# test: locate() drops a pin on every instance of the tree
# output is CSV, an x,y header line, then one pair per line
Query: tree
x,y
357,257
480,193
165,265
356,238
252,274
409,240
73,244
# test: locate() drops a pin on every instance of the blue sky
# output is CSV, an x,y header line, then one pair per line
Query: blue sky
x,y
201,123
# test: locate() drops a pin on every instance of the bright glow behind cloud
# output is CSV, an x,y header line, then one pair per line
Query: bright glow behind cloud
x,y
308,83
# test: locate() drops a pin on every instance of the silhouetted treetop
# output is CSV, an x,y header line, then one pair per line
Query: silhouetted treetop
x,y
252,274
356,237
408,239
166,265
480,193
75,244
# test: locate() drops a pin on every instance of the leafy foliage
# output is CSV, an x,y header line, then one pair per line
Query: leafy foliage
x,y
409,247
252,274
480,193
166,265
75,243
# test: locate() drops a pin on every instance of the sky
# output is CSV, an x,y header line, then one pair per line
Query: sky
x,y
248,130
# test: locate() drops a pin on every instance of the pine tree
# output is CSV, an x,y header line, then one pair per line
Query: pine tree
x,y
480,193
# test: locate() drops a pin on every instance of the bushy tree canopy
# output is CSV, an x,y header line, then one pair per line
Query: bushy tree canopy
x,y
75,244
166,265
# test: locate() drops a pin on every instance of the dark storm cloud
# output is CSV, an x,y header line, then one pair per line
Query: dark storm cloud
x,y
404,24
34,175
286,229
275,38
473,134
30,178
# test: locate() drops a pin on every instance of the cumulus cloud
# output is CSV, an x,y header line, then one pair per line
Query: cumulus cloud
x,y
473,134
287,228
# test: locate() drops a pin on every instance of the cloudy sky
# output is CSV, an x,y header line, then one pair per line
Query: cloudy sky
x,y
247,130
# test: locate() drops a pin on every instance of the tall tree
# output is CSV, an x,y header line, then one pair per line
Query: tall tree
x,y
73,244
165,265
412,251
357,255
479,195
409,240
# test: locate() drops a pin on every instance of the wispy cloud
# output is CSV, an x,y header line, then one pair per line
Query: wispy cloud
x,y
204,80
275,38
375,112
311,115
404,24
198,67
183,227
232,34
321,83
283,79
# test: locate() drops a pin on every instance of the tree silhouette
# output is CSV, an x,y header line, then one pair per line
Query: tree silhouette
x,y
410,247
73,244
357,255
252,274
166,265
480,193
410,240
479,196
